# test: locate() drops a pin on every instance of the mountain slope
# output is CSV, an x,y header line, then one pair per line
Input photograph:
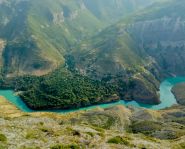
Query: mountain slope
x,y
144,47
42,32
39,34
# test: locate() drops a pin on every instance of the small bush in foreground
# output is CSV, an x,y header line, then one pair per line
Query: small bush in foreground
x,y
119,140
3,138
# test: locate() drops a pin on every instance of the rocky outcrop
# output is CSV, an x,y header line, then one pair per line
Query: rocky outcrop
x,y
143,91
179,92
58,18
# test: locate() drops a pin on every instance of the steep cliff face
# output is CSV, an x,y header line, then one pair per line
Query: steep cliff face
x,y
163,39
159,32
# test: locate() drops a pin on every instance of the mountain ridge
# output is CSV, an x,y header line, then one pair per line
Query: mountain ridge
x,y
52,28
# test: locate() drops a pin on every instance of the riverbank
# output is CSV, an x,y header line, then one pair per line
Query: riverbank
x,y
9,110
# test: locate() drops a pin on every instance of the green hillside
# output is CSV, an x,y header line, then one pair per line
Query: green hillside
x,y
46,31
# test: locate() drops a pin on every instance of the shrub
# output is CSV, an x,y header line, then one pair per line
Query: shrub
x,y
32,135
3,138
3,146
119,140
90,134
179,146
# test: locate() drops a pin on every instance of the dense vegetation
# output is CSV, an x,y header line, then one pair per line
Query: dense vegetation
x,y
61,90
119,140
3,138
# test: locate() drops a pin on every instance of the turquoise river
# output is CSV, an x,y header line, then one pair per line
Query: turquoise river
x,y
166,97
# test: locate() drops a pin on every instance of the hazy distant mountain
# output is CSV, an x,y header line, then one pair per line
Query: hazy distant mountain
x,y
39,33
112,10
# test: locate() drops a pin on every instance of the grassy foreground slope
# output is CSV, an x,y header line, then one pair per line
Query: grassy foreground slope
x,y
115,127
